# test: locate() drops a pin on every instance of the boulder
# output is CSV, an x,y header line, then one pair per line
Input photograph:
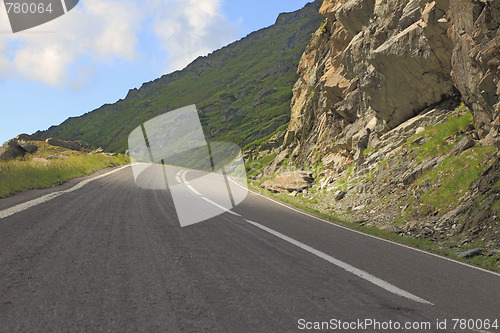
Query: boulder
x,y
289,181
339,195
71,145
11,150
462,146
470,253
27,146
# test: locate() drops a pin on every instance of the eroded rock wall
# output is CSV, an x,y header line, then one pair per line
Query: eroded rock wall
x,y
476,62
373,65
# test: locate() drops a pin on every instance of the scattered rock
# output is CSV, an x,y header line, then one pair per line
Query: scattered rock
x,y
462,146
419,130
470,253
339,195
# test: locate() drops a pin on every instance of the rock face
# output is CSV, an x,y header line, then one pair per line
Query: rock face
x,y
476,62
372,65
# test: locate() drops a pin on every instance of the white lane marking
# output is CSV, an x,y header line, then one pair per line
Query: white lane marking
x,y
26,205
351,269
338,225
185,181
220,207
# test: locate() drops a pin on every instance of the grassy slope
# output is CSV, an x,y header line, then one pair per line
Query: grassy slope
x,y
242,91
49,166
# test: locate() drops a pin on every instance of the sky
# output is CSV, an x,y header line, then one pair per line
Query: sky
x,y
99,50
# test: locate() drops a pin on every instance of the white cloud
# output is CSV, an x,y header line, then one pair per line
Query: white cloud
x,y
190,28
99,29
104,30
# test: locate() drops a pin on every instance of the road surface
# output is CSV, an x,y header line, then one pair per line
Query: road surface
x,y
111,256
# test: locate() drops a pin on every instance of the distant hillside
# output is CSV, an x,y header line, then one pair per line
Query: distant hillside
x,y
242,91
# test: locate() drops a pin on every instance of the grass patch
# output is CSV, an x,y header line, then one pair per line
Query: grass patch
x,y
368,151
437,135
453,176
50,166
264,139
256,166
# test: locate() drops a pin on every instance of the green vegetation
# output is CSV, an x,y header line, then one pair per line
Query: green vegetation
x,y
51,166
367,151
264,139
256,166
453,177
242,91
438,135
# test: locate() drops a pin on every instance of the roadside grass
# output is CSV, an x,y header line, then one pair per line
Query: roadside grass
x,y
51,166
422,244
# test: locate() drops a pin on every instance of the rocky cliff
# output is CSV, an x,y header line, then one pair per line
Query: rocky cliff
x,y
373,65
380,84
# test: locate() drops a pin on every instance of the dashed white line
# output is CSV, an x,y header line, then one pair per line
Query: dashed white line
x,y
220,207
351,269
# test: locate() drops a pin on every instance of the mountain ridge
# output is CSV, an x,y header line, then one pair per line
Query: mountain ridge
x,y
242,90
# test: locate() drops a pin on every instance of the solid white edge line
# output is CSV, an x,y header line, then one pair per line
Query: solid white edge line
x,y
338,225
351,269
220,207
35,202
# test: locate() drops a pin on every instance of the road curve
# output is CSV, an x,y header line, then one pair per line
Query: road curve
x,y
111,256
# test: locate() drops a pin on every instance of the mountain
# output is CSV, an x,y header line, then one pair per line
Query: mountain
x,y
396,114
242,91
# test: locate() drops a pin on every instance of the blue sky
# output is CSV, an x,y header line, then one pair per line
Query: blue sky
x,y
98,51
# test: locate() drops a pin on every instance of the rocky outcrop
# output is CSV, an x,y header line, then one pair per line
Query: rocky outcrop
x,y
372,65
476,62
17,147
26,144
71,145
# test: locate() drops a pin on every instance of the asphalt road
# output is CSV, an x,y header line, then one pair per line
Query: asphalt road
x,y
111,256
